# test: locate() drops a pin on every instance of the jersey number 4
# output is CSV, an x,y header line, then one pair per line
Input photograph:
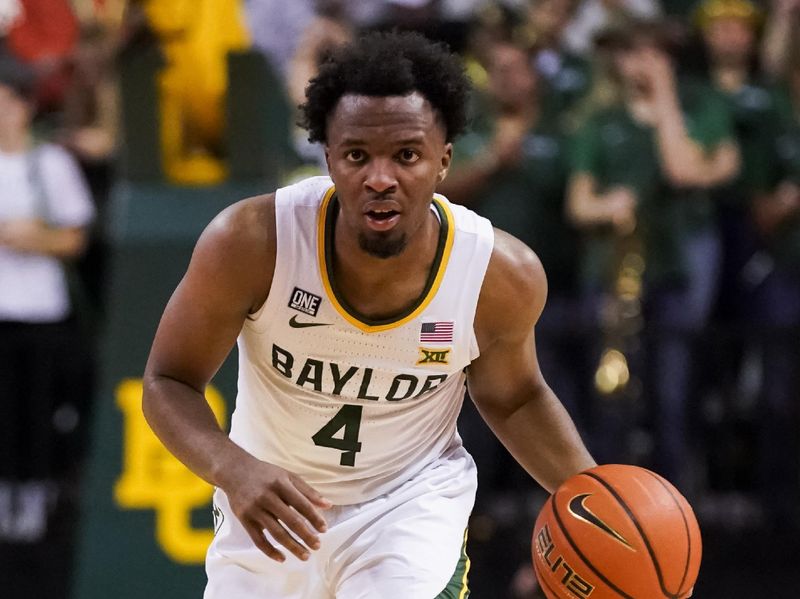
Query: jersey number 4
x,y
349,419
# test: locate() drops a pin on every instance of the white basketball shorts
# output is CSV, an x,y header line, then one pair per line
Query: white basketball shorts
x,y
407,544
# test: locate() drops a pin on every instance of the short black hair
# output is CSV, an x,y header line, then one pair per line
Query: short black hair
x,y
389,64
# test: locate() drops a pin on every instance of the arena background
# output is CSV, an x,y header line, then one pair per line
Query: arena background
x,y
131,522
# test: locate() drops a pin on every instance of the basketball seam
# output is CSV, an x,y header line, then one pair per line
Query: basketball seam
x,y
638,526
685,527
572,543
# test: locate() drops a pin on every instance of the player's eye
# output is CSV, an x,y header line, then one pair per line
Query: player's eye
x,y
409,156
355,155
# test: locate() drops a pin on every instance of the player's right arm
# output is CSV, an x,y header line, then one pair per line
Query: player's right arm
x,y
228,278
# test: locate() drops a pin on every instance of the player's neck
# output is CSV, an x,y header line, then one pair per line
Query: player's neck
x,y
380,288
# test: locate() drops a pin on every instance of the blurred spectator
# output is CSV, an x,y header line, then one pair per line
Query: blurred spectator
x,y
327,30
44,35
276,28
780,35
89,127
777,308
566,74
729,31
642,166
493,22
45,208
593,16
89,124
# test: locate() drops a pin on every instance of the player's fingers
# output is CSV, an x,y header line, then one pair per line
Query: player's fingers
x,y
282,536
311,493
300,501
256,533
297,524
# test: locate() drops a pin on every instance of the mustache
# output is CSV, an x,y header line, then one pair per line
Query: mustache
x,y
381,195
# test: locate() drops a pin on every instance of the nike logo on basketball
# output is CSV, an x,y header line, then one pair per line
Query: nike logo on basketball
x,y
579,510
296,324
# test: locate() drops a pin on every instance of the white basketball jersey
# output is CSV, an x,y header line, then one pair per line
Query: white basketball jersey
x,y
356,407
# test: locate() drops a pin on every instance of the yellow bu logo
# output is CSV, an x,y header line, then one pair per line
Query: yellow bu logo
x,y
152,478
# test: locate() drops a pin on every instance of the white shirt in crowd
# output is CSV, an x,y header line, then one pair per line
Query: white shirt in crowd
x,y
33,287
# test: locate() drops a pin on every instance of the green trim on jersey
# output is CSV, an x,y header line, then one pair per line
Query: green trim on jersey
x,y
439,263
458,587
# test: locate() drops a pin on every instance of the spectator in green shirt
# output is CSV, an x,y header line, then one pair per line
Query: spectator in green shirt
x,y
729,31
777,308
511,167
642,166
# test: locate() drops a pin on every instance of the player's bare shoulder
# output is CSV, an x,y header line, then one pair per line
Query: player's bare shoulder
x,y
514,290
238,247
251,220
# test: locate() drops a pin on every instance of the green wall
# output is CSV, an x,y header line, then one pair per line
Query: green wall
x,y
146,536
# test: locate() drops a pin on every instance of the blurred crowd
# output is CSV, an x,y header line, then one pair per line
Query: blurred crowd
x,y
648,151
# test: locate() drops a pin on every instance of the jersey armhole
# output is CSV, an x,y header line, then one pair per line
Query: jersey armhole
x,y
483,255
284,234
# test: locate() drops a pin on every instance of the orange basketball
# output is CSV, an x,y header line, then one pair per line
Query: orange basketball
x,y
616,531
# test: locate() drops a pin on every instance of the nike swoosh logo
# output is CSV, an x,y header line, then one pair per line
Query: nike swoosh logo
x,y
579,510
295,324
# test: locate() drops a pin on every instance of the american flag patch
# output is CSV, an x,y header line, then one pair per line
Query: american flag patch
x,y
436,332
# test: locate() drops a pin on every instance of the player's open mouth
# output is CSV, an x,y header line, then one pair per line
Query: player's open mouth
x,y
382,220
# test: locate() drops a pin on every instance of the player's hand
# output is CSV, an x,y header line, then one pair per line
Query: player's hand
x,y
266,497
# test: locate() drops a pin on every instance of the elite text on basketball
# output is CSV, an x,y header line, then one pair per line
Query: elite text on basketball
x,y
573,581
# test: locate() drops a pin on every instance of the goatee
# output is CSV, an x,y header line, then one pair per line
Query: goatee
x,y
382,246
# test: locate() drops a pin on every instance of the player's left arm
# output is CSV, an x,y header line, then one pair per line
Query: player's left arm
x,y
505,382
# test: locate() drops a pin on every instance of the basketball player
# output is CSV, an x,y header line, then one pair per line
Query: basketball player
x,y
363,304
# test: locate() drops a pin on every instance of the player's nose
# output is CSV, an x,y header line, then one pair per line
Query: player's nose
x,y
380,177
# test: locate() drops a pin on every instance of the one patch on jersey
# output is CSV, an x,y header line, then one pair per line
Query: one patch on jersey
x,y
434,355
305,302
440,332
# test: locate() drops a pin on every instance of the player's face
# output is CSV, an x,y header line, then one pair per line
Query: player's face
x,y
386,155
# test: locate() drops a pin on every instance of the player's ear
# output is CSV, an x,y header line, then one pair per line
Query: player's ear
x,y
444,167
327,157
